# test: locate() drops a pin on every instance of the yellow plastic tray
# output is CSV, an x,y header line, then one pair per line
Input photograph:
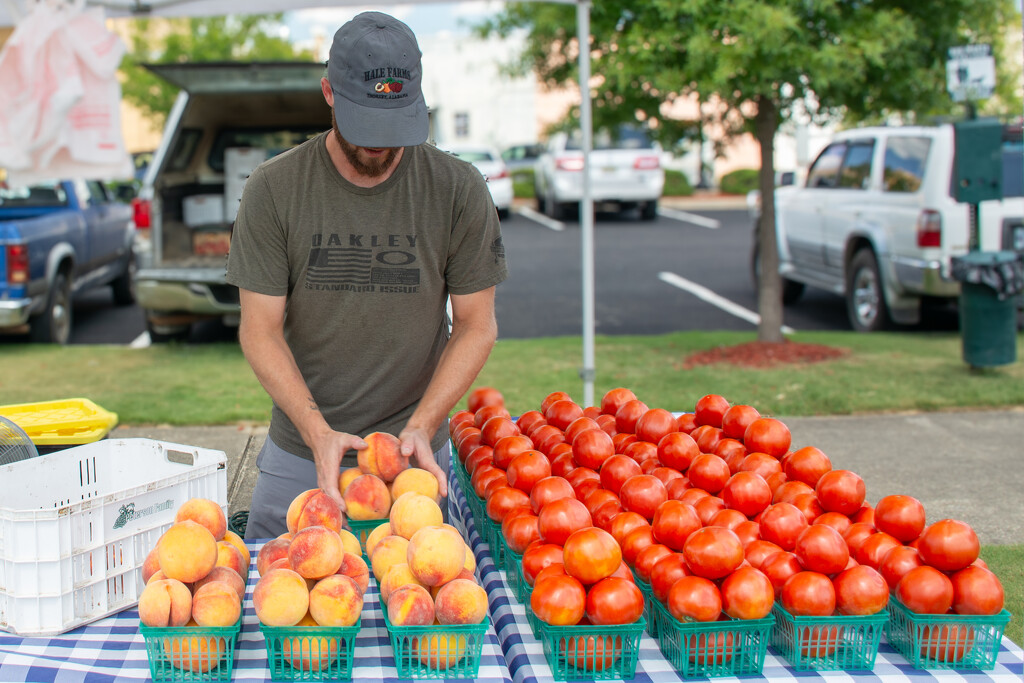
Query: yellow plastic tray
x,y
67,422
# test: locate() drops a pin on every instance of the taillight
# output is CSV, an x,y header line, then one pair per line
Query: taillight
x,y
929,228
503,173
17,264
141,211
569,163
646,163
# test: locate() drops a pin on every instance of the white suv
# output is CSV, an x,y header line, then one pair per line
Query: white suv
x,y
876,221
625,172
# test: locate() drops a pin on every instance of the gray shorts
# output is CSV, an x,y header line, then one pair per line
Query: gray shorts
x,y
283,476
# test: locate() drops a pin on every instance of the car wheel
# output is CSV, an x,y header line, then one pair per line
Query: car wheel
x,y
53,325
650,210
791,290
553,209
124,285
503,214
865,299
164,334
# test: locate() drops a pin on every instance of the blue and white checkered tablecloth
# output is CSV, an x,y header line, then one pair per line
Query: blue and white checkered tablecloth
x,y
524,654
112,650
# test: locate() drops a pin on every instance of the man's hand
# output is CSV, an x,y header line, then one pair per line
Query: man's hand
x,y
416,444
327,454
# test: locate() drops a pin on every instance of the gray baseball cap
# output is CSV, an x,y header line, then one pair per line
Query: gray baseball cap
x,y
376,74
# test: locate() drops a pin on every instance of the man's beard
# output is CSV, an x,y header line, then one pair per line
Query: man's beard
x,y
374,168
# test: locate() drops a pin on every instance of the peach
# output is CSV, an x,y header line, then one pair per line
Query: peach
x,y
309,653
463,574
280,598
367,497
206,512
158,576
470,564
237,541
382,456
375,535
413,511
216,604
165,602
416,480
315,552
389,551
441,650
286,536
397,576
436,555
225,574
355,567
187,551
336,601
346,477
194,653
272,550
350,543
314,508
229,556
151,565
410,605
461,601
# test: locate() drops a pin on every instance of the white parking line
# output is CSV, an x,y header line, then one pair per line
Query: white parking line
x,y
688,217
537,217
721,302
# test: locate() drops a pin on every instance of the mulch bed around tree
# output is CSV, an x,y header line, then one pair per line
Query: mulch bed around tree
x,y
759,354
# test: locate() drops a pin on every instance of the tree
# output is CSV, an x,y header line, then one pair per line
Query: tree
x,y
760,61
237,37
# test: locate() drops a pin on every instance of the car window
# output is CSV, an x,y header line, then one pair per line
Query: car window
x,y
184,149
905,159
474,156
856,171
273,140
42,195
825,170
623,137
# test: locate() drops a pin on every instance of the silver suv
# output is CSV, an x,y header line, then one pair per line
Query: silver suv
x,y
876,222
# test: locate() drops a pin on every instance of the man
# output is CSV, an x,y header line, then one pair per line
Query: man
x,y
345,251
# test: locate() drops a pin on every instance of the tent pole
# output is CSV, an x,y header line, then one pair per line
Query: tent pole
x,y
588,371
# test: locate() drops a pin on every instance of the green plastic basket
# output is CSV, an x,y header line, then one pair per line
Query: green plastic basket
x,y
514,577
492,534
362,528
191,653
590,652
828,643
452,651
715,648
310,653
475,503
945,641
645,588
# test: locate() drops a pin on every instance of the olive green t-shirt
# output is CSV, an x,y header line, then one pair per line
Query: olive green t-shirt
x,y
366,273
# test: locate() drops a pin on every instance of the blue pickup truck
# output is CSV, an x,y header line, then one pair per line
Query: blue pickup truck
x,y
57,239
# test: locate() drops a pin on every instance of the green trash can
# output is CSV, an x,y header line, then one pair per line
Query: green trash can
x,y
989,284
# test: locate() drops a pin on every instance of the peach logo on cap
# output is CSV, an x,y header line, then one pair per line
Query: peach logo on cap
x,y
388,86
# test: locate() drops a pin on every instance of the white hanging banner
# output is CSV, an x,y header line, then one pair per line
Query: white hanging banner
x,y
61,113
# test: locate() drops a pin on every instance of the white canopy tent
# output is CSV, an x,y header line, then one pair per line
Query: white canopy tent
x,y
12,11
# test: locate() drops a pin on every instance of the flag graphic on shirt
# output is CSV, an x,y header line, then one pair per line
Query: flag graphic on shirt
x,y
347,268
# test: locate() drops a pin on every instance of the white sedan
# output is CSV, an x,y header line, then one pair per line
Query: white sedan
x,y
488,161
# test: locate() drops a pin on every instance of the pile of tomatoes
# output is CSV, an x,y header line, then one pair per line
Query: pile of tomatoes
x,y
711,510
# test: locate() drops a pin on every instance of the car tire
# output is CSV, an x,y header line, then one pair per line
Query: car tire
x,y
865,297
649,211
53,325
503,214
791,290
168,335
553,209
124,285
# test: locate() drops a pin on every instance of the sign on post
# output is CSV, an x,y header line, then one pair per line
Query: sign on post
x,y
970,72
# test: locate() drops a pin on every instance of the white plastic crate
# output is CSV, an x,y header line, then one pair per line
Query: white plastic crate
x,y
76,526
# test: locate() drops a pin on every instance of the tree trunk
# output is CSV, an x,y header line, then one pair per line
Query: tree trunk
x,y
769,291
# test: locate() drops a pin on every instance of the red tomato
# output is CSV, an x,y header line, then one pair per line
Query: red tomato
x,y
747,594
686,422
592,447
666,474
654,424
485,413
707,507
579,476
807,464
480,455
673,523
767,435
593,412
900,516
591,554
949,545
647,558
733,452
589,653
621,440
710,409
925,590
643,493
760,463
691,495
788,490
520,531
874,549
860,590
866,513
560,518
614,601
562,413
730,519
840,491
625,522
597,498
529,421
634,541
808,594
484,396
614,398
640,451
856,534
605,513
551,398
736,419
526,469
708,472
782,524
559,600
758,551
665,573
549,489
538,556
484,477
503,499
835,520
624,572
808,504
713,552
694,598
607,423
707,438
627,415
947,643
466,440
779,567
747,492
562,464
545,437
553,569
976,590
578,425
820,548
897,562
459,418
